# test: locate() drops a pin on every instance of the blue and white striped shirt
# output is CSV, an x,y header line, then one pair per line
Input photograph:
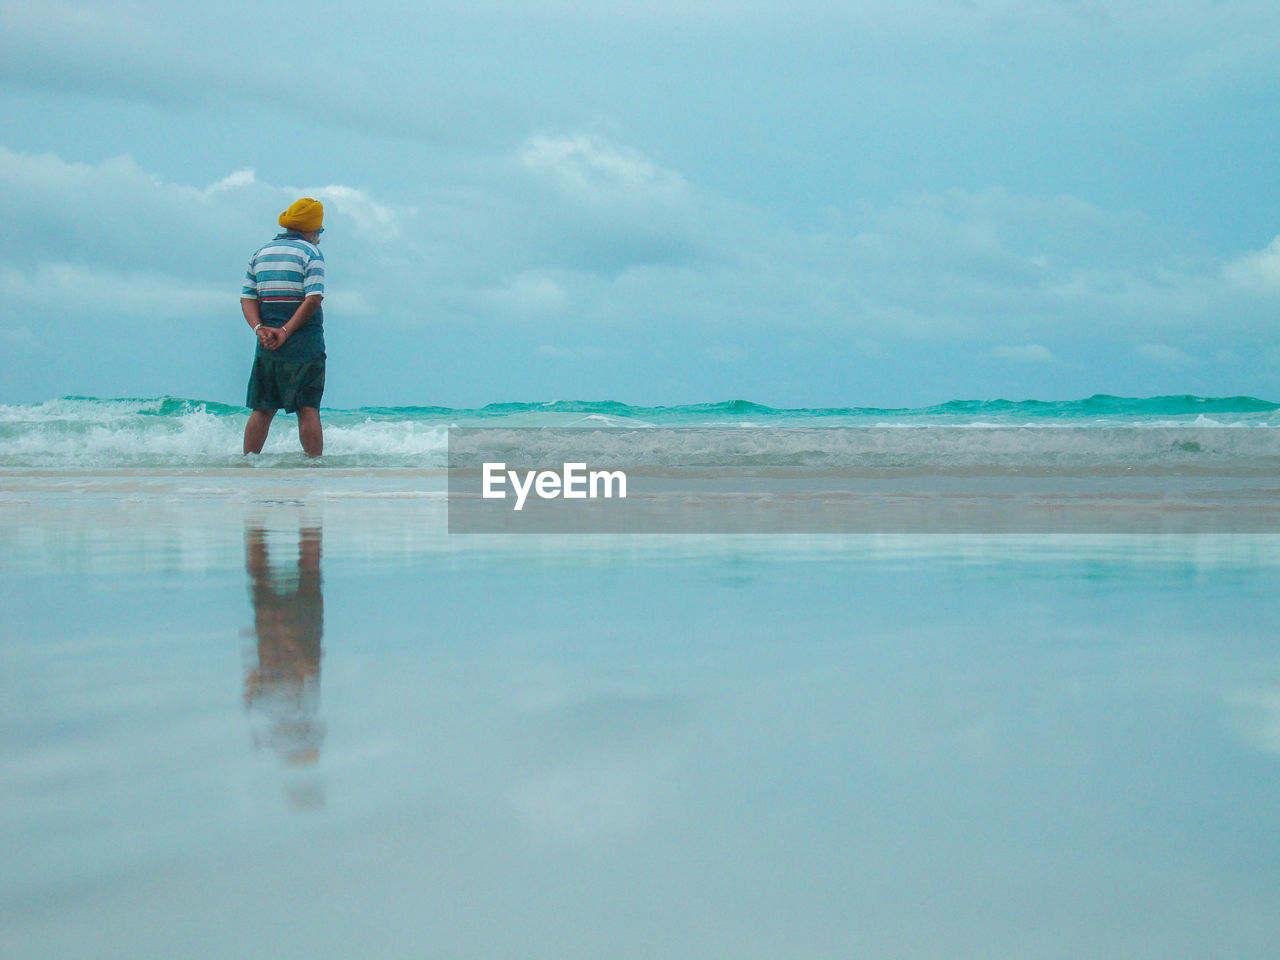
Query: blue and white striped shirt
x,y
287,268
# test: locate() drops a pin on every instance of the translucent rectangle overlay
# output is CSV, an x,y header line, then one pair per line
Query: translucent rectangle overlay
x,y
890,479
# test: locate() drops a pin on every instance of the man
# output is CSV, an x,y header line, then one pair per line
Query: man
x,y
281,297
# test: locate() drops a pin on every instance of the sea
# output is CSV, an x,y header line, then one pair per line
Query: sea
x,y
86,433
258,707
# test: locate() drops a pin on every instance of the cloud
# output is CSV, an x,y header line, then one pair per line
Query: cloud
x,y
601,207
367,216
74,291
995,264
1165,356
578,219
620,251
114,213
1257,271
174,58
590,170
96,47
1026,353
112,238
526,295
232,181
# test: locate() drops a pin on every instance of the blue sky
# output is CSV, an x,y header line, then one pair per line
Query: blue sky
x,y
814,203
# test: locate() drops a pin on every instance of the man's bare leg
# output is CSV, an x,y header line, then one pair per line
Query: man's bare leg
x,y
255,431
309,431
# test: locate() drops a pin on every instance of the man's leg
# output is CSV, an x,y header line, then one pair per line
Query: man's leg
x,y
309,431
255,431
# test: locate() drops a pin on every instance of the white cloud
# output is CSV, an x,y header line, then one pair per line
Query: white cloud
x,y
595,236
526,295
582,202
590,169
81,292
114,213
1025,353
1165,356
240,178
349,303
367,216
1256,271
589,222
994,264
113,239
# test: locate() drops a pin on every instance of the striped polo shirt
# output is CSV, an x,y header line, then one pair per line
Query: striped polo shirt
x,y
287,268
281,273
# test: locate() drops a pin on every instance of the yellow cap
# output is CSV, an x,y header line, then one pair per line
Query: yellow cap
x,y
303,215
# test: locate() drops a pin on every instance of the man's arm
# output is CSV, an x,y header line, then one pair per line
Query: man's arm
x,y
300,317
249,307
253,316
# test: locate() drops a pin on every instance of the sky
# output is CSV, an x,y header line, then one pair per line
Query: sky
x,y
813,203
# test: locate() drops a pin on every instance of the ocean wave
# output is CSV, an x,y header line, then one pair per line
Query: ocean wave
x,y
885,451
1180,431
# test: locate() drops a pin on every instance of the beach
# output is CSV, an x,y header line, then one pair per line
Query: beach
x,y
280,707
795,481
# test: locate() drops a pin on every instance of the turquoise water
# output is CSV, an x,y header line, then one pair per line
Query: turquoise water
x,y
288,725
90,433
278,710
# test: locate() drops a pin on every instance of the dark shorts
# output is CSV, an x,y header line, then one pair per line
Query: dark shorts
x,y
273,384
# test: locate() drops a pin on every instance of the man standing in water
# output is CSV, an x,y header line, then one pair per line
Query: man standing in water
x,y
281,302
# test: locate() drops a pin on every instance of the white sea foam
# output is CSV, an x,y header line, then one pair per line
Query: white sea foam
x,y
872,451
85,433
76,437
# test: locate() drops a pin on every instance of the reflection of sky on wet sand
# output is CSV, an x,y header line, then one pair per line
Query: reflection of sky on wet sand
x,y
577,748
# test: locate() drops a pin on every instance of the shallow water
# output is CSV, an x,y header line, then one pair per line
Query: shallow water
x,y
280,721
1184,433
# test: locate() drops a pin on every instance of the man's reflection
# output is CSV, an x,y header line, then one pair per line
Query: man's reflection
x,y
282,681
